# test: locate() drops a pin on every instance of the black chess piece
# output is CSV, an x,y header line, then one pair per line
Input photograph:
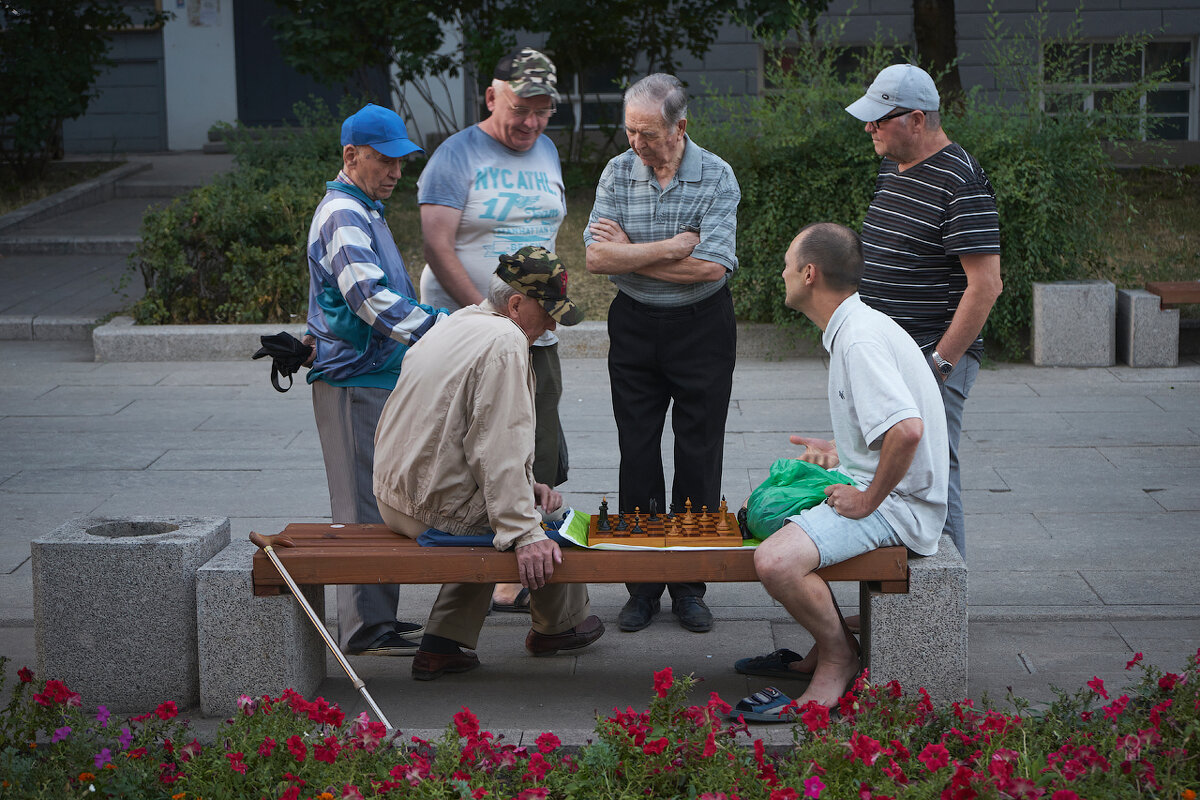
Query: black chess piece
x,y
603,524
621,525
637,521
653,510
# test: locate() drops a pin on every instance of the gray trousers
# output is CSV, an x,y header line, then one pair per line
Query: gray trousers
x,y
346,422
955,390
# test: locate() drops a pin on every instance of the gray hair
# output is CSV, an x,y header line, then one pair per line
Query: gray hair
x,y
662,90
500,86
933,120
499,292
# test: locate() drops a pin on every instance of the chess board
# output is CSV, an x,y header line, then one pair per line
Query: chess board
x,y
690,529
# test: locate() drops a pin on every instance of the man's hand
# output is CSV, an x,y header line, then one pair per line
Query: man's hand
x,y
847,501
311,341
547,498
821,452
535,562
606,230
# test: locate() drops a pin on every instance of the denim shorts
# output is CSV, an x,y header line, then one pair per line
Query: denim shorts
x,y
839,539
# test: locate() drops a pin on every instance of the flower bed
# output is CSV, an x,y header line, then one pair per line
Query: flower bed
x,y
879,743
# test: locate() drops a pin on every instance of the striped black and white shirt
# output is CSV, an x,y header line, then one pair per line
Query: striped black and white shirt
x,y
919,223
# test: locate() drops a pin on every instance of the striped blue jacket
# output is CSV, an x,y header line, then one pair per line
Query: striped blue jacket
x,y
361,303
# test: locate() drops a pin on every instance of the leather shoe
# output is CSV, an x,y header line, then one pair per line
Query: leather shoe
x,y
583,634
426,666
637,612
693,613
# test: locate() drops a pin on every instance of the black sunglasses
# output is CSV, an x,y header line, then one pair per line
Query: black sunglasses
x,y
892,115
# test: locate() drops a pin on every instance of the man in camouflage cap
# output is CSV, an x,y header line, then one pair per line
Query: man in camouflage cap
x,y
487,190
454,452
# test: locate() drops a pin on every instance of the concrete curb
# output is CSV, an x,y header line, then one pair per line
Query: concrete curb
x,y
88,193
121,340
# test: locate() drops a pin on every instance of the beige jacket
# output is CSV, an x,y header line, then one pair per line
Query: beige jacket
x,y
454,446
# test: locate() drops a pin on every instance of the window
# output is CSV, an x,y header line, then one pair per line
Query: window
x,y
592,97
1090,76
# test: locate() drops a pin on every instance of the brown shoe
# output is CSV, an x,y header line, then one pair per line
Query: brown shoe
x,y
427,666
583,634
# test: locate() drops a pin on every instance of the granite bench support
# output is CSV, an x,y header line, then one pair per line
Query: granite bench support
x,y
1147,333
915,609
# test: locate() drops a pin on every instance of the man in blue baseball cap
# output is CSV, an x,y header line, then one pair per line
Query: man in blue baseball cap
x,y
362,317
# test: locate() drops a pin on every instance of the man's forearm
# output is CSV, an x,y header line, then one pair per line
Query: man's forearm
x,y
983,287
687,270
617,258
895,457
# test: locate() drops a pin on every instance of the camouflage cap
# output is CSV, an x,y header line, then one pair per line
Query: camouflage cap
x,y
538,274
528,73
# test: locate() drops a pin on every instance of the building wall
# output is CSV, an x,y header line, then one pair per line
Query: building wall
x,y
200,70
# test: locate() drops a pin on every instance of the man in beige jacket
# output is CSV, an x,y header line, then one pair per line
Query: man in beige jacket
x,y
454,452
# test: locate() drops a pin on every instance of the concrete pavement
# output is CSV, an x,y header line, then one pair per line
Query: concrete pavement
x,y
1082,493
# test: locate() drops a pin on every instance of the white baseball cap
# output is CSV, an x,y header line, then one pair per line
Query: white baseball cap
x,y
897,86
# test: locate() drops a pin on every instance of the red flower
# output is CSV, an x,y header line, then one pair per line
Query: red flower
x,y
25,674
1134,661
1167,682
717,706
297,748
538,767
814,716
466,723
1064,794
56,692
236,763
1113,711
1097,686
536,793
865,748
167,710
548,743
291,793
267,747
662,682
655,747
327,751
934,757
168,773
351,792
710,745
787,793
189,750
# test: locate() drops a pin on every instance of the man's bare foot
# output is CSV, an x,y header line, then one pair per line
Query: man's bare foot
x,y
832,677
505,593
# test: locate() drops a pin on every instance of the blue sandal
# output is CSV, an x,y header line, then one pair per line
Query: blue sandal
x,y
769,705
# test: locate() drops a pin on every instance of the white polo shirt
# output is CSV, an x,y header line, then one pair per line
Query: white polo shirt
x,y
878,377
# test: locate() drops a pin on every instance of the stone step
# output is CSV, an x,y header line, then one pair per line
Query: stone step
x,y
67,245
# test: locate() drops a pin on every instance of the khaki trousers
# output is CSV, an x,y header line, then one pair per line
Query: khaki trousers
x,y
460,608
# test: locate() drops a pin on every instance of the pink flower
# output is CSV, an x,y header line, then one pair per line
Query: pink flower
x,y
662,682
1134,661
125,738
267,747
813,786
1097,686
167,710
246,704
189,750
102,758
102,716
236,763
712,796
536,793
547,743
60,734
934,757
351,792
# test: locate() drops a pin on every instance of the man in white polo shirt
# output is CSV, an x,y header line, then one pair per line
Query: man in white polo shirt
x,y
890,432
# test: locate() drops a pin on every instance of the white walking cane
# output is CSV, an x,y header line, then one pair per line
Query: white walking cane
x,y
266,543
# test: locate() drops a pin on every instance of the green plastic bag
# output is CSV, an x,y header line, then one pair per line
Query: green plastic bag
x,y
792,486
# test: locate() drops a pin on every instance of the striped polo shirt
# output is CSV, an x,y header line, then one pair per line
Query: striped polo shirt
x,y
919,223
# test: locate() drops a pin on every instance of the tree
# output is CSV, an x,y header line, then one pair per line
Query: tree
x,y
51,52
937,45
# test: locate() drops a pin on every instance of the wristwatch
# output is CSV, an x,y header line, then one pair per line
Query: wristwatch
x,y
943,366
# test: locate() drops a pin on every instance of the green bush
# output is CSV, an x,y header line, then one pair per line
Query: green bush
x,y
234,251
800,158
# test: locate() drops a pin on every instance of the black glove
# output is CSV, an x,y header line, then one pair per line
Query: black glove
x,y
288,354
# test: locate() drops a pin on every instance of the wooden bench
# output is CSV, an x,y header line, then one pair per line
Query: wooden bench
x,y
324,554
1175,293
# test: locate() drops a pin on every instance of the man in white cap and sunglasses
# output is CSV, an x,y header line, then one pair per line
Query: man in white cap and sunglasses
x,y
362,317
931,242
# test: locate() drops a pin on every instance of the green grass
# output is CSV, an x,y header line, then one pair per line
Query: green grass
x,y
59,175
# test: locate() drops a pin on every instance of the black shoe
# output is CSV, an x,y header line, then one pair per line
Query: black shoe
x,y
637,613
390,644
693,613
409,630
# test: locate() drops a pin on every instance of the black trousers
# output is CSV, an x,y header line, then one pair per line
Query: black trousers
x,y
681,357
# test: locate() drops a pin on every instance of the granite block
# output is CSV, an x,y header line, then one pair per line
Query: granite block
x,y
1147,334
920,638
114,607
252,645
1074,324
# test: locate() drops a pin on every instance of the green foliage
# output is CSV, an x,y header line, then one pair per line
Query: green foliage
x,y
801,158
234,250
51,52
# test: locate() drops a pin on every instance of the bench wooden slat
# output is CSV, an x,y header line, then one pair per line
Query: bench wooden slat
x,y
325,555
1175,293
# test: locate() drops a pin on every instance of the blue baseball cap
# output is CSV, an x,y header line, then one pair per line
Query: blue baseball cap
x,y
381,128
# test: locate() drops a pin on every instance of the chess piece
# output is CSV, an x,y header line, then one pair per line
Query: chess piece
x,y
637,521
687,512
653,510
723,527
603,523
703,515
723,509
622,525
